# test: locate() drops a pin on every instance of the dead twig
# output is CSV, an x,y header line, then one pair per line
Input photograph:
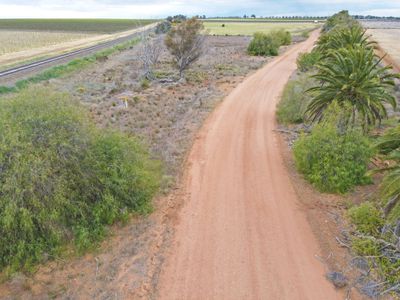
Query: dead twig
x,y
341,243
391,289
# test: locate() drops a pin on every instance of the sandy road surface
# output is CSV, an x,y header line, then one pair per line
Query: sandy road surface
x,y
242,233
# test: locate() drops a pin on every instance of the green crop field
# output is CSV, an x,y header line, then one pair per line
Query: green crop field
x,y
249,28
319,19
73,25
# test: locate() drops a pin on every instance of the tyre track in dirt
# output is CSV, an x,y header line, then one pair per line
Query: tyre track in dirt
x,y
242,233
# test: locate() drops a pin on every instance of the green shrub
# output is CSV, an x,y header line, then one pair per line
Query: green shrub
x,y
389,145
145,83
332,160
363,246
366,218
308,61
294,102
263,45
305,34
284,37
62,179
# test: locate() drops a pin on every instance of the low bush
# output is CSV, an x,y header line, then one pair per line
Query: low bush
x,y
332,160
363,246
62,179
308,61
284,37
268,44
294,102
263,45
144,83
366,218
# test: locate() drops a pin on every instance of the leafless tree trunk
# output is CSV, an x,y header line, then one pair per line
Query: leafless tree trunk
x,y
149,54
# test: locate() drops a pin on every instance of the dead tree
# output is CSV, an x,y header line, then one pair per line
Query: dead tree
x,y
186,43
149,54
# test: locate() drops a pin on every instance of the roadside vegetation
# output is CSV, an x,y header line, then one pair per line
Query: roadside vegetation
x,y
351,95
332,158
294,101
62,179
268,44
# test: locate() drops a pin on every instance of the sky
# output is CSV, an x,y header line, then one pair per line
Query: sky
x,y
133,9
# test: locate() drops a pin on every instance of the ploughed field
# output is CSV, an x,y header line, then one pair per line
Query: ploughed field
x,y
387,34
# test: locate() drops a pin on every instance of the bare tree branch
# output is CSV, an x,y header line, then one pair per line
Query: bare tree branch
x,y
149,54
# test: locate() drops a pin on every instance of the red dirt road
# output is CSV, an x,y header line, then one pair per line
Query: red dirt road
x,y
241,233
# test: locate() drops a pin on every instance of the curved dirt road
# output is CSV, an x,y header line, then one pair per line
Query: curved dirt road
x,y
242,233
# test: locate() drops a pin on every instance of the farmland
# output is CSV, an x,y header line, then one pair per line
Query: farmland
x,y
386,34
25,40
249,28
386,38
13,41
274,20
97,26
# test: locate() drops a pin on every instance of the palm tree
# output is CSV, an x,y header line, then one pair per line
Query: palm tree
x,y
389,145
354,79
344,38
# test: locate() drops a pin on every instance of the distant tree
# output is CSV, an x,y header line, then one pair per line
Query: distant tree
x,y
245,16
186,43
163,27
253,16
179,19
176,19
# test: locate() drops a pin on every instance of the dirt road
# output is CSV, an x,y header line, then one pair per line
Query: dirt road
x,y
242,233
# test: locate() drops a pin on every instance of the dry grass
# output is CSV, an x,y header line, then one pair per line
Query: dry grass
x,y
13,41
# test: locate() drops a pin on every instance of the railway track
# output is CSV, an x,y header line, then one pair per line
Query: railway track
x,y
72,54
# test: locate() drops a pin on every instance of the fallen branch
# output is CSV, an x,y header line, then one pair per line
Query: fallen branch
x,y
391,289
341,243
287,131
